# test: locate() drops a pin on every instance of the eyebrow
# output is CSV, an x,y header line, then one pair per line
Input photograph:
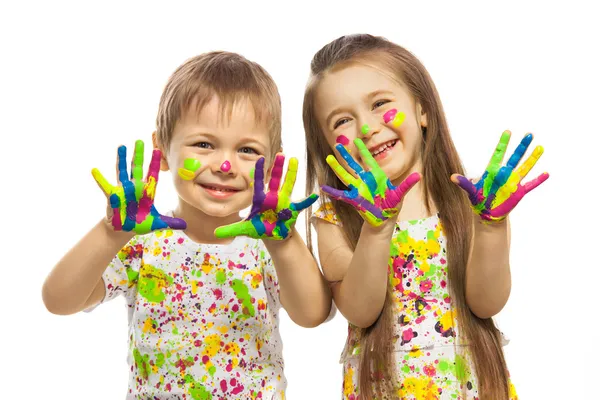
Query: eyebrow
x,y
378,93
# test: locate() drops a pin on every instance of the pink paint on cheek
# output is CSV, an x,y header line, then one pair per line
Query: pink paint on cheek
x,y
343,140
226,166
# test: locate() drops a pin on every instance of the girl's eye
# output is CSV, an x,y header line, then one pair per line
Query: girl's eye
x,y
203,145
340,122
379,103
248,150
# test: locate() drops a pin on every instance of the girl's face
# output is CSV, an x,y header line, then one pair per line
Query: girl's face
x,y
353,100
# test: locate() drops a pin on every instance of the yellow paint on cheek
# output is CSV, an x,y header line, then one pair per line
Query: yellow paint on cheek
x,y
190,166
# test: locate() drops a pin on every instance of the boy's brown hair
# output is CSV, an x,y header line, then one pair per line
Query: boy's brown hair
x,y
229,76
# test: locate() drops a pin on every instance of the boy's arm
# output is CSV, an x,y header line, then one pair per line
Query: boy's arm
x,y
361,275
303,291
75,283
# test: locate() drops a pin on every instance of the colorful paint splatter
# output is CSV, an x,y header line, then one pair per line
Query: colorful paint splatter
x,y
432,363
203,319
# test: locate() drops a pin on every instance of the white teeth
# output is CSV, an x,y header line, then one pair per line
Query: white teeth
x,y
219,189
382,148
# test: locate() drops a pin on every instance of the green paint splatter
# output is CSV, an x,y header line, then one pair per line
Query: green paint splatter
x,y
432,270
197,390
462,370
444,365
252,173
151,282
191,164
406,369
160,359
431,236
243,293
402,237
132,275
394,251
221,277
141,362
175,331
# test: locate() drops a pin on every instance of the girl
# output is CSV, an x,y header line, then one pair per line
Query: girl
x,y
203,310
420,281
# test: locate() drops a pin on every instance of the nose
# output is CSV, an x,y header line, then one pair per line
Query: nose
x,y
369,126
224,165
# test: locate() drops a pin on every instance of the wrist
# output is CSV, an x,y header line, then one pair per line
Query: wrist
x,y
481,225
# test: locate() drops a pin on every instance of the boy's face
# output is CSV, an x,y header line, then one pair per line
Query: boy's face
x,y
227,150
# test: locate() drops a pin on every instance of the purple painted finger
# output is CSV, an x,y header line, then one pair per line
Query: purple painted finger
x,y
354,199
468,187
174,223
259,187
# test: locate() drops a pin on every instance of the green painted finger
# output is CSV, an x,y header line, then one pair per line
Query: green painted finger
x,y
243,228
138,161
496,162
366,154
341,172
374,168
288,184
107,188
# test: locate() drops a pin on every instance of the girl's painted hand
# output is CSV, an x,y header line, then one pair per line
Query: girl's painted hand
x,y
371,193
132,201
272,215
499,190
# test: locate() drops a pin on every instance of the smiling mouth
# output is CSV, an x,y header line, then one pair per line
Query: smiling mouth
x,y
219,188
382,149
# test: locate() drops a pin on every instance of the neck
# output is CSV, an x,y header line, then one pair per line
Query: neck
x,y
201,226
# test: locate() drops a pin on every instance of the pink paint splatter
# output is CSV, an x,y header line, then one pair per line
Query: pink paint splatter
x,y
426,285
224,385
343,140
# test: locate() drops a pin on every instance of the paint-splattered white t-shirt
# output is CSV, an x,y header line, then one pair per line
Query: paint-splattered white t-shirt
x,y
203,319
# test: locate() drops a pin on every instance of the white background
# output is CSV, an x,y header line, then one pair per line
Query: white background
x,y
78,79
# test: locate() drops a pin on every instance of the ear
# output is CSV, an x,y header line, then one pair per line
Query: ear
x,y
164,165
423,114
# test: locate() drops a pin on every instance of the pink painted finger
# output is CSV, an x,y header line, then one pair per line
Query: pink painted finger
x,y
276,173
116,220
272,197
154,166
394,197
509,204
529,186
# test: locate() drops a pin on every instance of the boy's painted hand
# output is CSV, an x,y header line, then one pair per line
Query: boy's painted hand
x,y
372,193
272,215
132,201
499,190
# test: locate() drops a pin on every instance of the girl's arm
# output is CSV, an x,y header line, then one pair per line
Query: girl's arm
x,y
361,276
488,280
75,283
303,291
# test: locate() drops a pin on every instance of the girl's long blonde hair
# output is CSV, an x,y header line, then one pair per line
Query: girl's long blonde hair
x,y
440,160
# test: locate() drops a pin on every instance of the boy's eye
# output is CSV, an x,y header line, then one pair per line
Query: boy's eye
x,y
340,122
248,150
379,103
203,145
